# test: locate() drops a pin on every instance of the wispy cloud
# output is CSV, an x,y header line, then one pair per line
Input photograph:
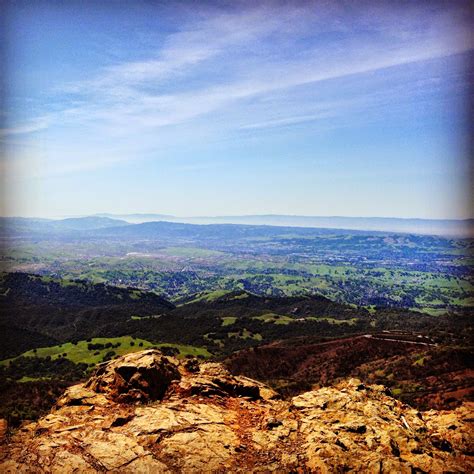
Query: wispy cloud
x,y
30,126
142,93
195,43
287,121
232,59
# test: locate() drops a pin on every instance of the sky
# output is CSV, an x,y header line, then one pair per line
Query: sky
x,y
235,108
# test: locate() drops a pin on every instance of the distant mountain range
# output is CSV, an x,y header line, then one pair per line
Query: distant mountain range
x,y
447,227
25,225
148,224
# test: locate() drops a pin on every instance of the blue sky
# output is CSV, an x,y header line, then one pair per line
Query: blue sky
x,y
195,108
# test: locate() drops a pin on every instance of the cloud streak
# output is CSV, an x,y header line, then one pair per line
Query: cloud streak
x,y
31,126
234,60
135,91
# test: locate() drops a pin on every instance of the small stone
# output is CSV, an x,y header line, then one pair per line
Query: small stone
x,y
273,423
241,448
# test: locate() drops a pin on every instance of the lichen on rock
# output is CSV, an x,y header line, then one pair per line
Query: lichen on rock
x,y
148,413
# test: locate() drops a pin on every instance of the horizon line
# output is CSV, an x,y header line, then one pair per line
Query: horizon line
x,y
230,216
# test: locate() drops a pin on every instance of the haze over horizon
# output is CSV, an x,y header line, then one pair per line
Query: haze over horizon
x,y
159,223
122,215
235,109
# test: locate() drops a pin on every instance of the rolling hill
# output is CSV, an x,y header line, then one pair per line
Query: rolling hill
x,y
446,227
58,329
31,226
65,310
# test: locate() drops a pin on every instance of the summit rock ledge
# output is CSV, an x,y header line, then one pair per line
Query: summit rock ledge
x,y
149,413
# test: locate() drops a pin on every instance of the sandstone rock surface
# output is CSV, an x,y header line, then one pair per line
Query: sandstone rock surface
x,y
143,376
148,413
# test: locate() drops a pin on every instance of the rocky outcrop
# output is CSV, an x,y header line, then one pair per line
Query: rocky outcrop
x,y
141,377
147,413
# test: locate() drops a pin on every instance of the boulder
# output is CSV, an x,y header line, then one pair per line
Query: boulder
x,y
139,376
212,379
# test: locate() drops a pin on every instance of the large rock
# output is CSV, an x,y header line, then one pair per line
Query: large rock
x,y
146,413
212,379
138,376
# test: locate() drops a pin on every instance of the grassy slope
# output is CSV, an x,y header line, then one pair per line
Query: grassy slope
x,y
79,353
